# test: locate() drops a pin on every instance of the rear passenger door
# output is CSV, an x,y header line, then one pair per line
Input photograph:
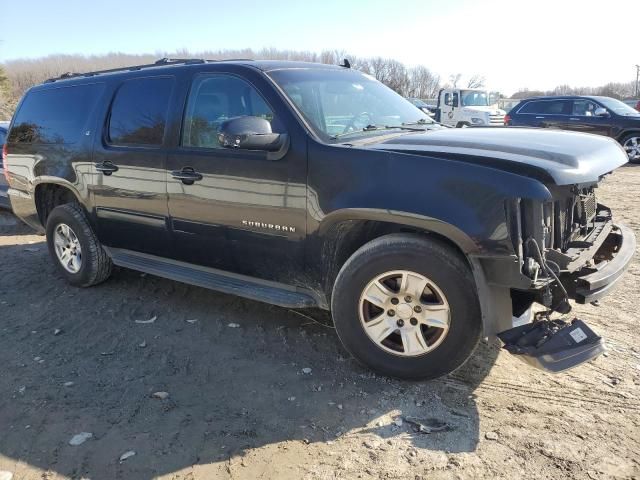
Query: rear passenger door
x,y
247,212
129,187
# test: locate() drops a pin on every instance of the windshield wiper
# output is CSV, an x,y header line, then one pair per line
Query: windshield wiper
x,y
373,128
424,122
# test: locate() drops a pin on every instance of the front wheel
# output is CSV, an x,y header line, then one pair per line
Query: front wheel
x,y
406,306
631,144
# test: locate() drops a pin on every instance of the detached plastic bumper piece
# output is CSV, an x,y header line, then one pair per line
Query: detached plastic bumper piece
x,y
593,286
553,345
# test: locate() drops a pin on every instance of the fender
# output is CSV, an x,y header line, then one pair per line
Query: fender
x,y
451,232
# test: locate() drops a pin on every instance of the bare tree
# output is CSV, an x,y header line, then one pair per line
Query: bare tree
x,y
454,79
476,81
423,83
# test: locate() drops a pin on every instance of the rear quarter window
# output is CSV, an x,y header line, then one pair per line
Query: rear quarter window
x,y
55,115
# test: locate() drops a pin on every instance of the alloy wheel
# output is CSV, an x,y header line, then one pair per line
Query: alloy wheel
x,y
67,247
632,147
404,313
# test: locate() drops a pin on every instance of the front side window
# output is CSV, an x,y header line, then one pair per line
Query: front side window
x,y
213,99
584,108
55,115
339,102
139,111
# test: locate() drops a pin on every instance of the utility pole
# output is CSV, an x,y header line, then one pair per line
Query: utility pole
x,y
637,81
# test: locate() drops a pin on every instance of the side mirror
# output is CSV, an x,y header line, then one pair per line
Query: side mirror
x,y
250,133
601,112
455,100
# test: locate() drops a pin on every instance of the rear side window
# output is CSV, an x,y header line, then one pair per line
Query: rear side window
x,y
3,136
55,115
531,107
548,107
139,111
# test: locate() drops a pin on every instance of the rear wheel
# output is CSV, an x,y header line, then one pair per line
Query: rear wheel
x,y
407,307
74,247
631,144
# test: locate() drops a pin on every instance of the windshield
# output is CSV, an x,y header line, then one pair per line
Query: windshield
x,y
617,106
338,103
474,98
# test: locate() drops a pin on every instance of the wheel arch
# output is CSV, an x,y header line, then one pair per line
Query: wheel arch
x,y
50,193
345,231
627,132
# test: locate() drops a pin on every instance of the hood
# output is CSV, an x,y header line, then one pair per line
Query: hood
x,y
554,156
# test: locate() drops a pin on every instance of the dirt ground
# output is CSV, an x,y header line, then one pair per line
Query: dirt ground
x,y
242,403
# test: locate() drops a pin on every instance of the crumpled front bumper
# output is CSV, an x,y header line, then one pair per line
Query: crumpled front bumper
x,y
591,283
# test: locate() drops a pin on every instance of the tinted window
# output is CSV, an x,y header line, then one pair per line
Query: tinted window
x,y
55,115
139,111
3,136
214,99
549,107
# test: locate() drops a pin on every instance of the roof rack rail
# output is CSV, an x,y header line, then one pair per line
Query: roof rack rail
x,y
159,63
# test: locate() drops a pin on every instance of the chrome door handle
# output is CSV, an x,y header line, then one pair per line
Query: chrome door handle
x,y
106,167
574,118
540,118
187,175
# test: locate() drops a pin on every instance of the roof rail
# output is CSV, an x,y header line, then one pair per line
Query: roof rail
x,y
159,63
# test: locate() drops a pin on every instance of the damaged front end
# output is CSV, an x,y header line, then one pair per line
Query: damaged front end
x,y
569,249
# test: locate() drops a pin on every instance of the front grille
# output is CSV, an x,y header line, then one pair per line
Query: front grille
x,y
496,119
574,217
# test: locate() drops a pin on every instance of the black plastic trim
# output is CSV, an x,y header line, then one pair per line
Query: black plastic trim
x,y
219,280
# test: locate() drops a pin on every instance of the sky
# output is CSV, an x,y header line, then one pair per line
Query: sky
x,y
514,44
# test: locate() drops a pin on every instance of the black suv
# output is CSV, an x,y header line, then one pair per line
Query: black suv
x,y
307,185
599,115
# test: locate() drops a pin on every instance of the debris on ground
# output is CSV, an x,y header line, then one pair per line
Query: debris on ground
x,y
145,322
125,455
306,370
491,436
161,395
80,438
427,425
234,325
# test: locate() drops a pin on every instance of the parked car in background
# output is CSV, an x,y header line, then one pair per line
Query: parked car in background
x,y
587,114
309,185
633,103
467,107
424,106
4,199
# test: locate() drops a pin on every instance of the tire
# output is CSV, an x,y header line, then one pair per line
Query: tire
x,y
633,150
453,285
94,266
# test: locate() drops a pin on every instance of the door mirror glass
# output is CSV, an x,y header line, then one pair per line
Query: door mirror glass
x,y
455,100
250,133
601,112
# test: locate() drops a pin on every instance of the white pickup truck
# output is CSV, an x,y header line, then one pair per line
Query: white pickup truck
x,y
466,107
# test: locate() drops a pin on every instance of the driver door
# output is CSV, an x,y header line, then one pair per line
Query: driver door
x,y
247,212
